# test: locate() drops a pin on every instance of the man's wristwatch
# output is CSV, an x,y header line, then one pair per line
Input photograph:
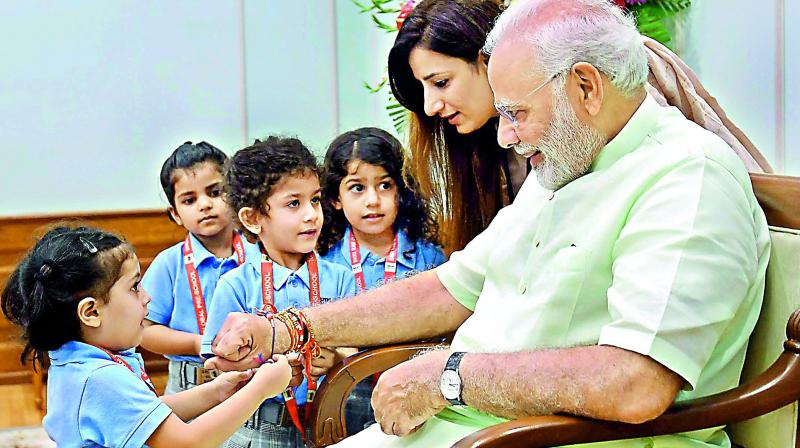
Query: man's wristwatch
x,y
450,382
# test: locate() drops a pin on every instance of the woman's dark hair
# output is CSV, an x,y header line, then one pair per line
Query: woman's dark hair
x,y
376,147
253,171
65,266
185,157
461,175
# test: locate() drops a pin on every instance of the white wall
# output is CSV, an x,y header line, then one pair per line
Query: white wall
x,y
95,94
291,70
362,51
791,105
747,54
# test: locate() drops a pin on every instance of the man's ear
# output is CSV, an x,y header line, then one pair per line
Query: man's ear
x,y
248,216
89,312
175,216
590,85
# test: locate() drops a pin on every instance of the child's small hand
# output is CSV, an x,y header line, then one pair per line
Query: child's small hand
x,y
273,378
229,382
296,362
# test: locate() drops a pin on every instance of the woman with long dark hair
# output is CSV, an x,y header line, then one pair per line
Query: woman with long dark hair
x,y
437,71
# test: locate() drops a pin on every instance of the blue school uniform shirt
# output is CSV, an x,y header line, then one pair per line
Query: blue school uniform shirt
x,y
412,257
94,402
166,283
240,291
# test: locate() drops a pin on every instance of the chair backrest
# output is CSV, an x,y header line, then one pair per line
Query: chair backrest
x,y
779,196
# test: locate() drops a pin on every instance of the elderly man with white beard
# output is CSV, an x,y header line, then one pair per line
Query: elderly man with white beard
x,y
626,276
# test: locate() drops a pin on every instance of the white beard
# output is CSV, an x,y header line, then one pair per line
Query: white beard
x,y
568,145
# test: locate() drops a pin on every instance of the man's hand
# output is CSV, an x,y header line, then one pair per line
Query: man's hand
x,y
408,394
321,364
241,339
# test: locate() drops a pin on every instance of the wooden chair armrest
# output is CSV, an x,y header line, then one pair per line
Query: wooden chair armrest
x,y
326,416
778,386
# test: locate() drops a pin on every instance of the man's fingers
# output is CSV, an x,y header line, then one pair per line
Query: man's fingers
x,y
404,430
217,363
235,339
318,371
230,346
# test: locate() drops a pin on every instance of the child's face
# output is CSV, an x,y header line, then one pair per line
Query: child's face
x,y
122,315
294,215
199,206
368,196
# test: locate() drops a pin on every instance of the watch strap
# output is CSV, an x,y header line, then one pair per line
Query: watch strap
x,y
453,362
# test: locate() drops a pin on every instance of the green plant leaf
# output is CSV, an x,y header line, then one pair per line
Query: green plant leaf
x,y
377,88
362,8
383,25
379,5
650,17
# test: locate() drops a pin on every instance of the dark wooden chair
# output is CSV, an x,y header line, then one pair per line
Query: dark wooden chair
x,y
760,413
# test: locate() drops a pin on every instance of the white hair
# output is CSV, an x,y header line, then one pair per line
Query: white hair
x,y
598,33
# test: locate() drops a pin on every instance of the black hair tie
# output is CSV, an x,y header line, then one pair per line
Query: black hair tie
x,y
45,272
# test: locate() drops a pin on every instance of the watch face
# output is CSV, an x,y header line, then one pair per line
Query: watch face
x,y
450,385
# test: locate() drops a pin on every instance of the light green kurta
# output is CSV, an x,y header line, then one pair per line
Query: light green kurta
x,y
660,249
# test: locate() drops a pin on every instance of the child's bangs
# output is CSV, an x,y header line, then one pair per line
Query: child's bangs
x,y
110,264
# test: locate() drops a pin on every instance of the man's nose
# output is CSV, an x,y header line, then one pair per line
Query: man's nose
x,y
506,134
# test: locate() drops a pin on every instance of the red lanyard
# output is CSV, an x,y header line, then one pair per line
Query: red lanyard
x,y
118,359
194,279
389,269
268,297
268,290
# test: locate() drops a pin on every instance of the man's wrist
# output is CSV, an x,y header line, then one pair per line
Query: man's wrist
x,y
440,361
451,384
281,336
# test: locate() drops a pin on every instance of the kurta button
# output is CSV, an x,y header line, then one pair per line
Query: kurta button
x,y
522,289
